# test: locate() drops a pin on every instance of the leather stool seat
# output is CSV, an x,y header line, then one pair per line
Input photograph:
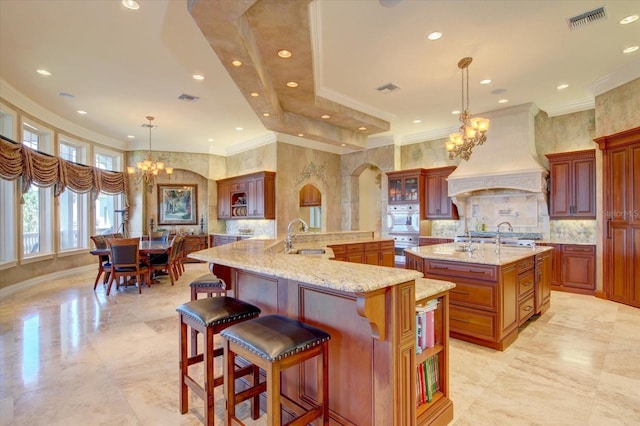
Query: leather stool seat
x,y
209,316
275,343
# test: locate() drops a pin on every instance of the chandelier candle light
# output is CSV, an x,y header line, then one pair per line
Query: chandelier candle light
x,y
148,170
473,131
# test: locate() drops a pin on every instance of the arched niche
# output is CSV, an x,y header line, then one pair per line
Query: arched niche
x,y
311,207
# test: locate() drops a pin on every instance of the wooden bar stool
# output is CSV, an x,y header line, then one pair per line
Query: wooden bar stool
x,y
209,284
275,343
210,316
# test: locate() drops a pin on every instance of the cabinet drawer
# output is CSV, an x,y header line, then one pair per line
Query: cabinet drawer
x,y
579,249
480,296
526,309
354,248
373,246
386,245
526,264
462,270
526,282
473,323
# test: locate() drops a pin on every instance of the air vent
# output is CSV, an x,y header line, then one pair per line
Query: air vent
x,y
387,88
188,98
586,18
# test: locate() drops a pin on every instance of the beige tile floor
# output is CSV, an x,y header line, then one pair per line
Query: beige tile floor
x,y
72,356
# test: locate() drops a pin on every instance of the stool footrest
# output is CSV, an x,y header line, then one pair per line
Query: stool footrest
x,y
250,393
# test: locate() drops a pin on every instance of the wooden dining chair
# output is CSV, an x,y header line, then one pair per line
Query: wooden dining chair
x,y
104,266
167,262
125,262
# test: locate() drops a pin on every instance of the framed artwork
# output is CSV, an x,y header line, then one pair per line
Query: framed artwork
x,y
177,204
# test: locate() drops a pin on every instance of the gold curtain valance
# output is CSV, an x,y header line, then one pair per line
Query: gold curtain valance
x,y
34,167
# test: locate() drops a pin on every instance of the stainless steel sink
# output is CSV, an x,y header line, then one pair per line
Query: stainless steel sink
x,y
309,251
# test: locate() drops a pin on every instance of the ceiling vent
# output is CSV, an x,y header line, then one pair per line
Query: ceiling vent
x,y
586,18
188,98
387,88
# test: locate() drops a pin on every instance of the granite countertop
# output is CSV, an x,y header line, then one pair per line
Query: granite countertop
x,y
267,257
426,287
484,254
538,241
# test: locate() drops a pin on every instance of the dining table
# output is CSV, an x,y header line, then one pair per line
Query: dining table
x,y
145,248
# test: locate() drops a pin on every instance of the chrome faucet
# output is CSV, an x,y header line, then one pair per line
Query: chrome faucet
x,y
288,242
498,234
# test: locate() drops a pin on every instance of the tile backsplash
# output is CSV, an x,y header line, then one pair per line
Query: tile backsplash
x,y
573,231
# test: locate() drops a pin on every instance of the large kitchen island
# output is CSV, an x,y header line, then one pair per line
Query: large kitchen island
x,y
496,292
369,312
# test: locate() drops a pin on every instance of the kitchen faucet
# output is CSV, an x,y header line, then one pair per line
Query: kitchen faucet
x,y
288,242
498,234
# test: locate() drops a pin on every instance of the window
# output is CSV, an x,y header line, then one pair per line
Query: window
x,y
37,208
72,207
8,195
108,221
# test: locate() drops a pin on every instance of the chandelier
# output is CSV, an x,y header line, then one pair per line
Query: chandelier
x,y
473,131
148,170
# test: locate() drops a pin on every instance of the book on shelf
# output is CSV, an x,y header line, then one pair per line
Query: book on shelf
x,y
427,379
425,325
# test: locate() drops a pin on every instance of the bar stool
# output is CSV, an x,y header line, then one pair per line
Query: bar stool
x,y
275,343
208,283
210,316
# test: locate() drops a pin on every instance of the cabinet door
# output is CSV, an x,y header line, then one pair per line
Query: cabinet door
x,y
224,201
584,196
433,196
560,182
544,267
578,267
438,203
256,197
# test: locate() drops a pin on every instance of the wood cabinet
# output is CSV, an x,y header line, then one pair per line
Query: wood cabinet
x,y
216,240
573,185
380,253
194,243
310,196
406,186
247,197
544,273
430,241
438,205
621,215
573,268
440,409
526,286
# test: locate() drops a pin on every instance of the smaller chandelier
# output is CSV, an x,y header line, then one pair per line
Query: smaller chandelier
x,y
473,131
148,170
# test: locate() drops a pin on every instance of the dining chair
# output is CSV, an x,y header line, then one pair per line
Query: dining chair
x,y
125,262
159,236
179,259
104,266
166,262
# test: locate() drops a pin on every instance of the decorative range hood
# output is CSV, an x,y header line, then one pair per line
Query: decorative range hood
x,y
507,161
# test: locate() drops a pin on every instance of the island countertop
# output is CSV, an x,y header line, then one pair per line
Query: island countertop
x,y
267,257
484,253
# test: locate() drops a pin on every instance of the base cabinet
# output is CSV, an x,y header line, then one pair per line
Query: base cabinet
x,y
573,268
380,253
194,243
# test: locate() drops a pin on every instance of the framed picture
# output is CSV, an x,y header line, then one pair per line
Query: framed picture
x,y
177,204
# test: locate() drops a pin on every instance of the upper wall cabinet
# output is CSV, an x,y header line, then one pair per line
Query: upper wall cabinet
x,y
310,196
250,196
438,202
572,185
406,186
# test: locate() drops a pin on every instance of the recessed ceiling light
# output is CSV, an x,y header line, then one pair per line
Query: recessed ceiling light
x,y
198,77
434,35
301,134
81,112
485,81
325,116
362,128
417,121
562,86
284,53
255,94
503,101
630,49
455,112
343,145
210,140
131,136
66,95
239,129
43,72
292,84
236,63
628,19
130,4
266,114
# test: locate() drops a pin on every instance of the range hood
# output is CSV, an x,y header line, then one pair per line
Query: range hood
x,y
507,160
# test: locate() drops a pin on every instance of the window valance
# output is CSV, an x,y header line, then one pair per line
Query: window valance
x,y
44,170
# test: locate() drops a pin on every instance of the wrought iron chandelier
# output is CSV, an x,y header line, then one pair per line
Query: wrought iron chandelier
x,y
473,131
148,169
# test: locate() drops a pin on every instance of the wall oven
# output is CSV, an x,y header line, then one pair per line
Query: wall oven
x,y
403,219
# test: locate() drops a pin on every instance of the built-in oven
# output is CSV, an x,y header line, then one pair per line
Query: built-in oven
x,y
401,242
403,219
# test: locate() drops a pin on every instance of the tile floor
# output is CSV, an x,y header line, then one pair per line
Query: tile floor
x,y
72,356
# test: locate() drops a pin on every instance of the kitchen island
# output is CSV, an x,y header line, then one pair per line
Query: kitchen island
x,y
369,312
496,292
